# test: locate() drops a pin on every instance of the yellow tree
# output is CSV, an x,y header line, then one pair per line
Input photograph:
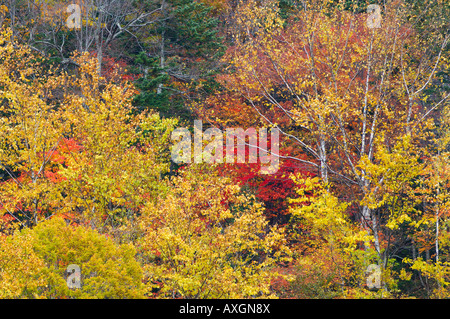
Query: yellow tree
x,y
430,241
121,156
333,263
70,143
20,268
34,264
205,239
30,132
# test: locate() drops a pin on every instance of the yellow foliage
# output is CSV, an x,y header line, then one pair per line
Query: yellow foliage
x,y
20,268
33,264
114,161
205,240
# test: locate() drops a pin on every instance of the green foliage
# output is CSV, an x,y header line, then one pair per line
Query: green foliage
x,y
194,29
148,84
181,60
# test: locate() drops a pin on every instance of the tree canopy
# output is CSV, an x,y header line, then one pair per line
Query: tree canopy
x,y
350,97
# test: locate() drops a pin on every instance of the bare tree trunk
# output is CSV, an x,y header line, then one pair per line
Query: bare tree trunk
x,y
99,59
375,231
162,63
437,230
323,161
162,50
437,244
371,224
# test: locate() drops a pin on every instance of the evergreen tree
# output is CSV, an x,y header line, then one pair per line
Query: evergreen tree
x,y
180,65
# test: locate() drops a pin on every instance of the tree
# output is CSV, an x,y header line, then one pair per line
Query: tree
x,y
20,268
43,25
59,154
122,156
29,134
180,58
206,240
333,262
430,245
339,91
34,264
151,94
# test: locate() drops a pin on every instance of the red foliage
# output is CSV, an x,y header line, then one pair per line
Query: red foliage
x,y
112,67
271,189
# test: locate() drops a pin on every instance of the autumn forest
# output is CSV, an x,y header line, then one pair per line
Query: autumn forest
x,y
224,149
